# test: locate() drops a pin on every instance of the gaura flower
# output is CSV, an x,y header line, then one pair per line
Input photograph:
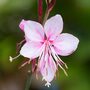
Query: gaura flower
x,y
46,43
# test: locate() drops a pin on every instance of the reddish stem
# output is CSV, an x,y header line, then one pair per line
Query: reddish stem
x,y
40,10
51,4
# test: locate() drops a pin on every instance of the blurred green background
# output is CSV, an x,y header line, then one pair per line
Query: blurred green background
x,y
76,16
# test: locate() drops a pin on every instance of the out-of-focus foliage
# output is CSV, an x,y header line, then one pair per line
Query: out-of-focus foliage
x,y
76,16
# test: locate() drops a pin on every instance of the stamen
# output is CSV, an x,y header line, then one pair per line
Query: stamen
x,y
11,59
19,45
66,66
47,84
56,57
63,70
62,62
23,65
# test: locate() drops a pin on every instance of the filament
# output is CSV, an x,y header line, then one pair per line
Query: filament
x,y
11,58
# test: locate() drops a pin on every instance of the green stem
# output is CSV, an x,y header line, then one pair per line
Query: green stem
x,y
46,16
50,5
28,82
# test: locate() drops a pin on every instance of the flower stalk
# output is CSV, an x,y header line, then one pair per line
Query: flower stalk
x,y
28,82
40,10
50,5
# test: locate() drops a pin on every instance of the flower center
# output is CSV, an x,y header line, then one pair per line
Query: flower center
x,y
47,43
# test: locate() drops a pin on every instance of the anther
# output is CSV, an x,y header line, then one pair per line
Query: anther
x,y
11,59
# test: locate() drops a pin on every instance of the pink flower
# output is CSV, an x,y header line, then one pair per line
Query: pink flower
x,y
47,42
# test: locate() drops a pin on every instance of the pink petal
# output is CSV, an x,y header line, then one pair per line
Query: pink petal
x,y
48,68
53,26
65,44
33,30
27,39
21,25
42,64
51,70
31,49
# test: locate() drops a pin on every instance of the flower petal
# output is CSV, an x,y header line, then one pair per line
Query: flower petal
x,y
33,30
21,25
48,68
65,44
53,26
42,64
51,70
31,49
